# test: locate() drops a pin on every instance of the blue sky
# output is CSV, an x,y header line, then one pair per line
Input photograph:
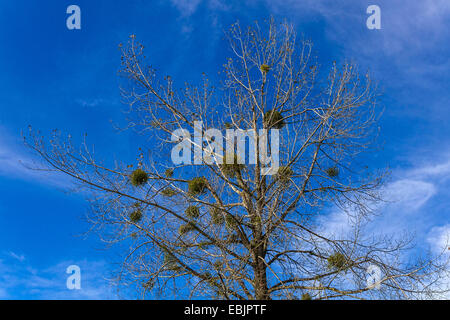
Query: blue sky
x,y
52,77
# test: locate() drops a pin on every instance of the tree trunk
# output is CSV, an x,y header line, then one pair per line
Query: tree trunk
x,y
261,289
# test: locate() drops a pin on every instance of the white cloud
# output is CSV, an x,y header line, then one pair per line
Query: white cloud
x,y
189,7
409,51
439,238
16,163
440,170
336,224
409,194
439,241
90,103
16,256
186,7
407,205
20,280
418,24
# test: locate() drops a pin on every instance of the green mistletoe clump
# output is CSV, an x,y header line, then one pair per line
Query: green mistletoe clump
x,y
138,178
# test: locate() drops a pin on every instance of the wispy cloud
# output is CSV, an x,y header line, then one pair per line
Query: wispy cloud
x,y
439,238
436,171
189,7
20,280
16,162
186,7
409,194
16,256
91,102
408,205
409,51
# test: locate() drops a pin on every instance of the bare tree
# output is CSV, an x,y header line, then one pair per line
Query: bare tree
x,y
226,230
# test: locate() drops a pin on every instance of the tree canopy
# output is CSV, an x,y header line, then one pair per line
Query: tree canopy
x,y
227,230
